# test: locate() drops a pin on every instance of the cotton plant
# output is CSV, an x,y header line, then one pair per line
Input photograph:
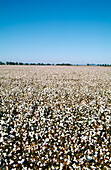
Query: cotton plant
x,y
55,117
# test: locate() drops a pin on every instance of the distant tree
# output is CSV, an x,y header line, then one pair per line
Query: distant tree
x,y
68,64
12,63
1,63
48,64
32,63
40,64
20,63
88,64
63,64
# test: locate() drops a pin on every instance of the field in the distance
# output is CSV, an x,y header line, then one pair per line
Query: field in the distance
x,y
55,117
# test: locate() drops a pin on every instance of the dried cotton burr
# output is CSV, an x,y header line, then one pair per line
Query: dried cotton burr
x,y
55,117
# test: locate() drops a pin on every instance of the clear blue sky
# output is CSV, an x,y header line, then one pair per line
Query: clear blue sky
x,y
55,31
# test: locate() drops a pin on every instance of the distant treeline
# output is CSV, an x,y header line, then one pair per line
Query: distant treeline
x,y
98,64
20,63
62,64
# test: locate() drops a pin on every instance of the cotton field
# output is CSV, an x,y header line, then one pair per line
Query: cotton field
x,y
55,117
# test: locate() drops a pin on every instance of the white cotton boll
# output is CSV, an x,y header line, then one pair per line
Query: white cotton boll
x,y
11,161
74,165
46,156
107,153
50,153
68,161
75,159
53,168
43,148
55,148
65,160
47,139
22,161
61,124
105,161
4,154
89,157
1,139
29,89
93,167
62,135
61,166
14,149
2,122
